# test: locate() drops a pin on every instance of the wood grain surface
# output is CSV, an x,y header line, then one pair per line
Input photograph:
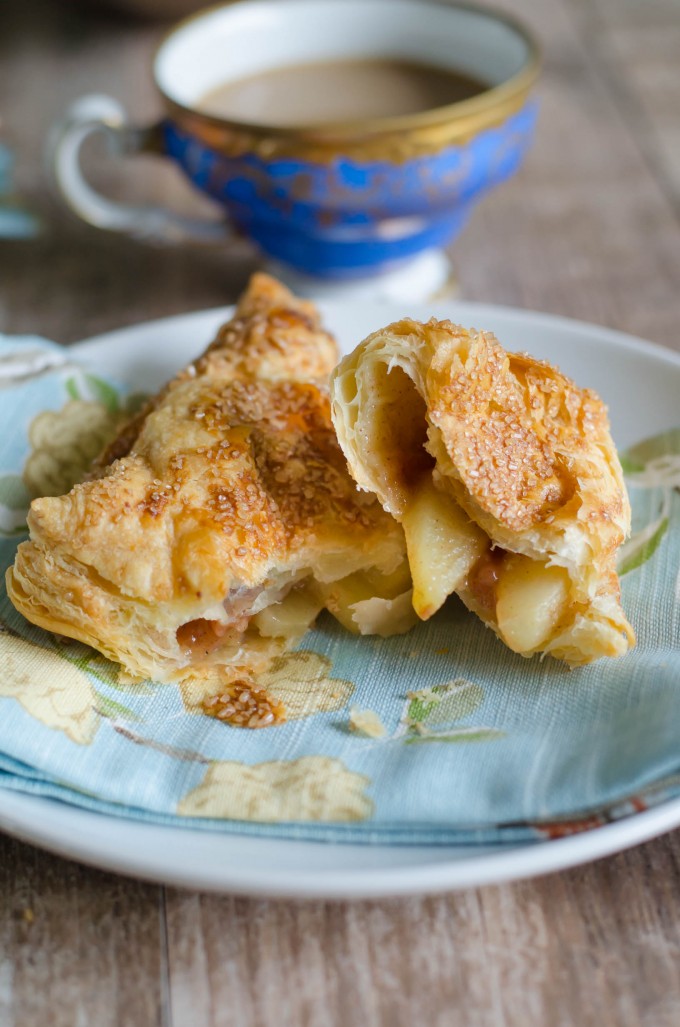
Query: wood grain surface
x,y
590,228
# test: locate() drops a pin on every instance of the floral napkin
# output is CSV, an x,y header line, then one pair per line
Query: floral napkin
x,y
440,735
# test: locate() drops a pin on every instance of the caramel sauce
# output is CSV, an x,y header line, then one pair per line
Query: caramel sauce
x,y
484,578
201,637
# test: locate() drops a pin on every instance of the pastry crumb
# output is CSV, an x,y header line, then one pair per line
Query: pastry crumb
x,y
241,704
366,722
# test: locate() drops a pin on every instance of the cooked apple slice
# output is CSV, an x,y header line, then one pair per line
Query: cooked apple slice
x,y
442,546
385,617
346,600
530,599
291,617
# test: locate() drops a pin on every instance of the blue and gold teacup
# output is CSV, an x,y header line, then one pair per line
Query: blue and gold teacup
x,y
332,200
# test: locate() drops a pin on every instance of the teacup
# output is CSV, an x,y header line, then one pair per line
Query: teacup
x,y
334,201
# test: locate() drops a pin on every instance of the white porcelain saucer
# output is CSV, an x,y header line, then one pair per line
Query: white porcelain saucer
x,y
641,384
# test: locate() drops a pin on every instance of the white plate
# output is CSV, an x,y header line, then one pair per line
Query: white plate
x,y
641,384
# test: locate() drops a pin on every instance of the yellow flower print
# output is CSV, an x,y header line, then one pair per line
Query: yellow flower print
x,y
309,788
64,443
48,687
301,682
298,680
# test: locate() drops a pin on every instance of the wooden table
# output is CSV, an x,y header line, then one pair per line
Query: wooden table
x,y
591,229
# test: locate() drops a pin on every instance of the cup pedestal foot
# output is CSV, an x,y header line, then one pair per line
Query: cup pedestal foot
x,y
429,276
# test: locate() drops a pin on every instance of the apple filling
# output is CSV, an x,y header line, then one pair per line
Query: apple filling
x,y
226,624
365,602
201,636
527,598
370,602
442,544
448,552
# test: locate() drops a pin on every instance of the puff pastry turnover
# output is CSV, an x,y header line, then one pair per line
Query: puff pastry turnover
x,y
504,476
221,520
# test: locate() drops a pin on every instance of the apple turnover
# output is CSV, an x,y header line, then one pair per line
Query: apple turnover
x,y
221,520
504,477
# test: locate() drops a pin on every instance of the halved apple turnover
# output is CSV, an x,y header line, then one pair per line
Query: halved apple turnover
x,y
505,479
219,523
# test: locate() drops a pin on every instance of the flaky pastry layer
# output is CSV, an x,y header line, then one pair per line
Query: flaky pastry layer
x,y
514,444
227,496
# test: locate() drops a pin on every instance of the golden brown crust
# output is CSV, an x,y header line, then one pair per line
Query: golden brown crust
x,y
273,336
525,452
230,482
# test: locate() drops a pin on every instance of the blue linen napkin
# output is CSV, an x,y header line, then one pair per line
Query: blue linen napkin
x,y
478,744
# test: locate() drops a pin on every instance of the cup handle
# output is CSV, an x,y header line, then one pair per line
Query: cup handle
x,y
101,114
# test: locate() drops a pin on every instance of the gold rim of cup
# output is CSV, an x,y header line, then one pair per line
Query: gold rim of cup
x,y
392,138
